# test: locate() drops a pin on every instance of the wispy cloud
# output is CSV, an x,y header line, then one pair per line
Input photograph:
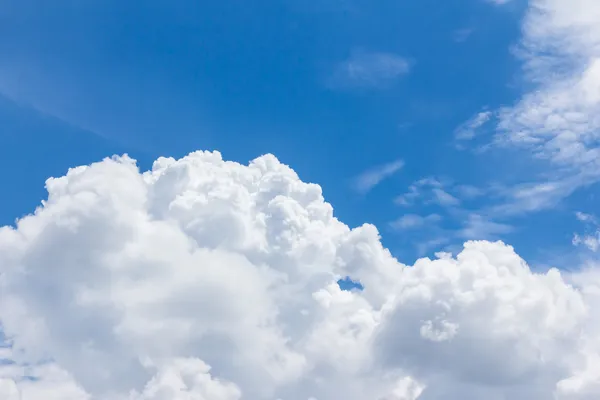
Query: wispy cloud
x,y
478,220
371,178
481,227
559,119
473,226
591,238
413,221
416,191
431,191
592,242
373,70
533,196
469,191
469,129
461,35
444,198
584,217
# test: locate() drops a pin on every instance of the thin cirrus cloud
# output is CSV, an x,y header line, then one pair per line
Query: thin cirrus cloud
x,y
369,70
479,226
207,279
469,129
414,221
366,181
444,198
429,191
469,191
481,222
461,35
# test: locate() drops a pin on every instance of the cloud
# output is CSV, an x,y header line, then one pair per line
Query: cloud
x,y
468,129
475,221
375,70
533,196
371,178
444,198
431,190
558,120
411,221
469,191
211,280
584,217
417,190
479,227
590,239
461,35
592,242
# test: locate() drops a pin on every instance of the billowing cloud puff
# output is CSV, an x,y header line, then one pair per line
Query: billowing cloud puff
x,y
204,279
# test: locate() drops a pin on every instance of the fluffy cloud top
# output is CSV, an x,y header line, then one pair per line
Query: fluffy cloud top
x,y
204,279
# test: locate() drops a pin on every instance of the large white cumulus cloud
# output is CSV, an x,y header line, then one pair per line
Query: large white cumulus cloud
x,y
204,279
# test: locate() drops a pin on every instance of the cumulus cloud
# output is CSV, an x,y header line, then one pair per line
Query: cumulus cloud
x,y
371,178
204,279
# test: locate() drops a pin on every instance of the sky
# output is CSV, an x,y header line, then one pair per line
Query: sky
x,y
286,145
336,90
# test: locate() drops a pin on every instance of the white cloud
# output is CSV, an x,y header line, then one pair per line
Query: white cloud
x,y
371,178
469,191
432,190
373,70
591,240
444,198
209,280
412,221
468,130
406,389
479,227
584,217
558,120
186,379
417,190
533,196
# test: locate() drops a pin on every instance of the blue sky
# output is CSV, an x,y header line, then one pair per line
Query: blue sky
x,y
371,100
